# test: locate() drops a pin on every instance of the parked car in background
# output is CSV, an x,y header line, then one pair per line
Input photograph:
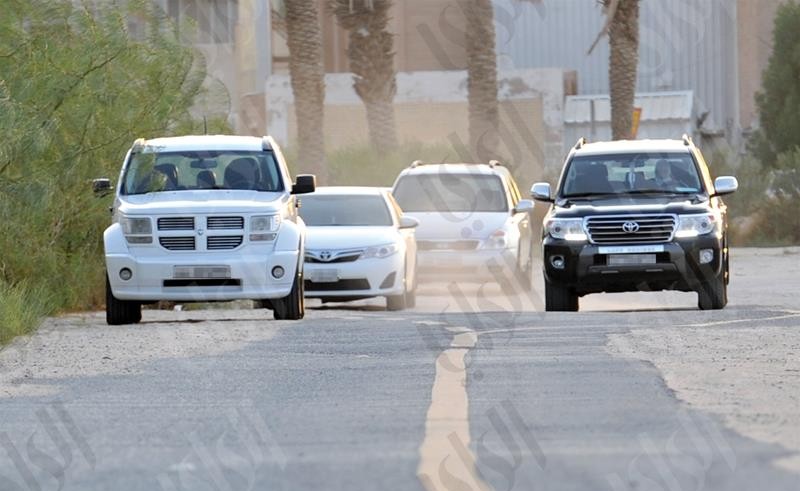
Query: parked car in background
x,y
635,216
204,218
360,245
474,225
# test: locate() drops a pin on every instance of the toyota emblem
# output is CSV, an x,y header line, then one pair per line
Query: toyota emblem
x,y
325,256
630,227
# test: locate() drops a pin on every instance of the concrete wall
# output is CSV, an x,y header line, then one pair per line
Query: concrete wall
x,y
432,107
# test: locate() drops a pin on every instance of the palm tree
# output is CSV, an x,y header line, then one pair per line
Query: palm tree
x,y
482,79
308,82
371,56
622,27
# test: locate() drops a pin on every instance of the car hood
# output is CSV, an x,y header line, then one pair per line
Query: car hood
x,y
458,226
633,205
201,202
337,238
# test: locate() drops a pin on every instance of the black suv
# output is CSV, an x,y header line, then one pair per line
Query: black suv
x,y
635,216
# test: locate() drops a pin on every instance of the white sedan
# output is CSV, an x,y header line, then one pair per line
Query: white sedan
x,y
359,245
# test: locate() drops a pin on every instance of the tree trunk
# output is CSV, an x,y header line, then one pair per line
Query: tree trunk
x,y
482,79
623,38
371,56
308,83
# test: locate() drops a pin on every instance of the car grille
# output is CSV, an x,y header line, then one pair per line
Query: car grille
x,y
451,245
315,257
648,229
341,285
177,243
223,242
225,223
176,223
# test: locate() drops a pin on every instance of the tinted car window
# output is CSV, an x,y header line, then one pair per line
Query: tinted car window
x,y
178,171
451,193
624,173
334,210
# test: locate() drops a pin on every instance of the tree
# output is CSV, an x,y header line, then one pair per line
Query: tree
x,y
622,27
779,101
371,56
308,83
482,78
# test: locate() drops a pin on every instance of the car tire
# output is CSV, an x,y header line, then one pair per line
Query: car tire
x,y
397,302
121,312
559,298
291,307
713,295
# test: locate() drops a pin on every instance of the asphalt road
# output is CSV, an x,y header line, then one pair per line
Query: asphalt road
x,y
473,390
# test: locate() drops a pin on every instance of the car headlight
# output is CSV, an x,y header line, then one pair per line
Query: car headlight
x,y
137,230
570,229
379,251
265,223
696,225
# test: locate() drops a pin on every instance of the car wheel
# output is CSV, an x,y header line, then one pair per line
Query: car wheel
x,y
291,307
559,298
713,295
119,312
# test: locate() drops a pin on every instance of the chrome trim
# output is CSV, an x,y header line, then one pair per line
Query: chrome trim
x,y
632,217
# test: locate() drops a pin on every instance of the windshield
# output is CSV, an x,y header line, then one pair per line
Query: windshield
x,y
345,210
656,173
451,193
180,171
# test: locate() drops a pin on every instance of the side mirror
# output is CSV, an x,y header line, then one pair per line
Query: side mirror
x,y
102,186
304,184
524,206
541,192
408,222
725,185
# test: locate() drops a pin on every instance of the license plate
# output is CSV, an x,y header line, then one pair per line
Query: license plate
x,y
631,259
201,272
642,249
324,275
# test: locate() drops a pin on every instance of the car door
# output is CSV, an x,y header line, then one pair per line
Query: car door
x,y
522,222
410,238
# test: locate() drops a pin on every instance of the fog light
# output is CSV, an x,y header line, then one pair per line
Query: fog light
x,y
278,272
125,274
706,256
558,262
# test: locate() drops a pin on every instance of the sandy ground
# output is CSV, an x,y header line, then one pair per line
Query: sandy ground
x,y
750,376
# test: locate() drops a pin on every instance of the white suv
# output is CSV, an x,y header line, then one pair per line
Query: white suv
x,y
474,225
204,218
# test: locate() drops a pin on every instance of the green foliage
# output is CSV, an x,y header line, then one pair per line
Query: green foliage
x,y
779,102
77,86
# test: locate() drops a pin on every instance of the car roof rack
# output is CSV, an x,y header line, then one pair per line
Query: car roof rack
x,y
581,142
687,140
494,163
417,163
266,143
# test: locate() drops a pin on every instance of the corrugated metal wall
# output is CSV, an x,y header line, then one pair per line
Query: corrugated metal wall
x,y
685,45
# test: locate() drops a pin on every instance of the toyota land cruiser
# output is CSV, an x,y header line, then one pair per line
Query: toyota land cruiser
x,y
635,216
204,218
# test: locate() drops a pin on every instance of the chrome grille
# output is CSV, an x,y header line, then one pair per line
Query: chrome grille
x,y
649,229
225,223
176,223
177,243
223,242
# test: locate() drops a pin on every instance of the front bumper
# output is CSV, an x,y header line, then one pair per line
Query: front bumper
x,y
152,277
477,265
586,270
363,278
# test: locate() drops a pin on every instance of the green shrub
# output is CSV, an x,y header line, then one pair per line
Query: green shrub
x,y
21,308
